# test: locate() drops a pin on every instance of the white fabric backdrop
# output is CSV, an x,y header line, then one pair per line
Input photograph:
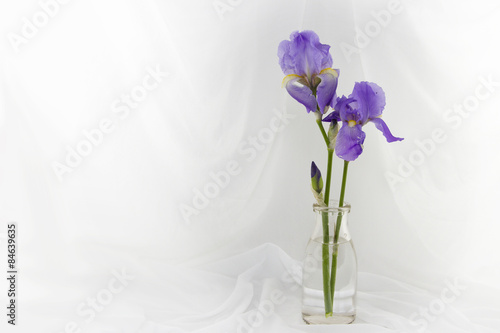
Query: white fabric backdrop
x,y
207,92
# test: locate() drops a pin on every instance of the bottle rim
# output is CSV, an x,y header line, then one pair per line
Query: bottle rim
x,y
333,207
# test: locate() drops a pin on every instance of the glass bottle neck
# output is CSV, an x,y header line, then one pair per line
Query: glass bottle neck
x,y
331,223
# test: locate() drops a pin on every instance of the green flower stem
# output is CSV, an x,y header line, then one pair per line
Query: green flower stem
x,y
323,132
327,295
326,230
328,176
326,241
336,234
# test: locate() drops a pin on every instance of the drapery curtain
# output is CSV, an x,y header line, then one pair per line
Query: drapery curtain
x,y
153,163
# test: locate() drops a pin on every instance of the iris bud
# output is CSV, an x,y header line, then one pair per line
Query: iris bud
x,y
316,179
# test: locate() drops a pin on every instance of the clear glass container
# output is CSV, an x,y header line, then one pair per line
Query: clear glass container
x,y
330,246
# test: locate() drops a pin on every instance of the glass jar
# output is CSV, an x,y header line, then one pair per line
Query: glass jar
x,y
330,264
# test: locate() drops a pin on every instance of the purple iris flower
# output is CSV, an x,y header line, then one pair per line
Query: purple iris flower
x,y
364,105
307,65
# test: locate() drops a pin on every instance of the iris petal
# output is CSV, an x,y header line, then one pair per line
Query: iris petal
x,y
370,99
350,142
382,126
334,115
334,99
344,106
300,92
326,88
303,54
286,61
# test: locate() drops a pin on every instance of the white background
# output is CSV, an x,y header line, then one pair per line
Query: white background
x,y
120,207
